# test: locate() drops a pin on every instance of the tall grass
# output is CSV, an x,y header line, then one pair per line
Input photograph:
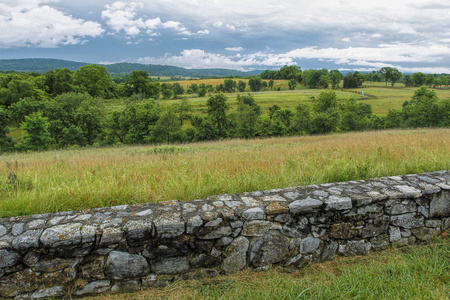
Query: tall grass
x,y
87,178
421,272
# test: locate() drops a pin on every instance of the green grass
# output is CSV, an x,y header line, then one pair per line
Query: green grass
x,y
419,272
87,178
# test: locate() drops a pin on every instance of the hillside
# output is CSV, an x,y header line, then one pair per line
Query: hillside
x,y
42,65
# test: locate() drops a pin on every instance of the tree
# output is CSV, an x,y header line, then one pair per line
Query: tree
x,y
167,127
38,135
335,78
301,122
138,82
229,85
386,73
177,89
292,84
312,77
24,107
16,89
6,143
408,81
167,94
95,80
271,83
429,80
418,78
78,110
327,100
217,111
255,84
241,86
396,75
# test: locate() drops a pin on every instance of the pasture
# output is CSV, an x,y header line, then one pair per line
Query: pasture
x,y
52,181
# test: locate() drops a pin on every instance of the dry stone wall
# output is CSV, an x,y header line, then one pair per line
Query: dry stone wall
x,y
130,248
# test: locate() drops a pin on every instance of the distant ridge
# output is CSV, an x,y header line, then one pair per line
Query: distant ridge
x,y
42,65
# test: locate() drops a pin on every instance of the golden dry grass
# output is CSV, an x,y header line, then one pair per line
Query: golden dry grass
x,y
87,178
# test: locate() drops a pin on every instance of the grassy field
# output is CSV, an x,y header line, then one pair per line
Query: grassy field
x,y
384,100
420,272
87,178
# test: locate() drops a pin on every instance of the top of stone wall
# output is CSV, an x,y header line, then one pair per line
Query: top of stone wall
x,y
170,219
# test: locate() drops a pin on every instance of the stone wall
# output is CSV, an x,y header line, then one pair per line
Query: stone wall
x,y
130,248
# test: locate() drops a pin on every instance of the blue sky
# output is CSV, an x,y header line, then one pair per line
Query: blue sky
x,y
411,35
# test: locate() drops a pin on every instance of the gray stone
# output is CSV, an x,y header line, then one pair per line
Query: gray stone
x,y
256,228
272,248
144,213
83,217
29,239
273,198
409,191
291,195
283,218
433,223
223,241
394,234
17,229
409,221
35,223
95,287
343,231
56,291
337,203
329,251
193,223
301,228
249,201
425,233
214,223
309,245
440,205
405,232
9,258
3,230
354,248
138,232
395,207
380,242
49,265
215,234
62,235
169,226
123,265
171,265
305,205
377,227
235,255
112,235
56,220
424,211
237,224
233,204
255,213
369,209
128,286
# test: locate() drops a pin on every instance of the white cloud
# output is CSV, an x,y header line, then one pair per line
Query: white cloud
x,y
376,35
384,55
345,39
122,16
237,49
26,23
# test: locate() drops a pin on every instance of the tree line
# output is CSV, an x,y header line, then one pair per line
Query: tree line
x,y
78,119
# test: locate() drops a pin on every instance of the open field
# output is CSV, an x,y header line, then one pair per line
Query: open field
x,y
87,178
386,98
420,272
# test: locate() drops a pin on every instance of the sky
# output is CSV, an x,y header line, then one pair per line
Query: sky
x,y
410,35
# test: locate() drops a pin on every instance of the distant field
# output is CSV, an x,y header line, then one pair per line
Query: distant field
x,y
87,178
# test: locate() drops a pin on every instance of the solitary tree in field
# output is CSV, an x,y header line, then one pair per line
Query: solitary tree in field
x,y
396,75
386,73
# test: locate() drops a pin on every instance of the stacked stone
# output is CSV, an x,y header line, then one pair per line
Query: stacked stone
x,y
129,248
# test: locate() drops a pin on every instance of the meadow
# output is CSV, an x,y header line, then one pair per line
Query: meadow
x,y
53,181
385,98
